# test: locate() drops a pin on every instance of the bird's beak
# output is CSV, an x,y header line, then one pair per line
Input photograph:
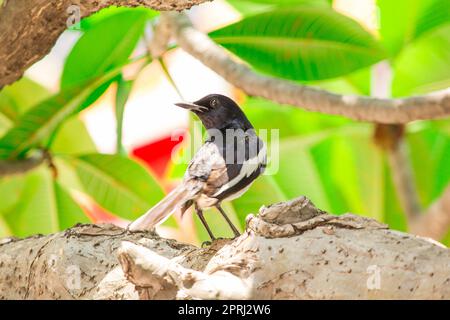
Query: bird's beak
x,y
191,106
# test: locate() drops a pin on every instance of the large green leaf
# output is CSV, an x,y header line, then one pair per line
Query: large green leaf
x,y
342,160
39,122
11,188
298,173
103,47
430,153
403,21
99,17
109,44
19,97
44,206
73,138
393,213
305,43
249,7
423,66
68,211
117,183
5,124
264,191
289,121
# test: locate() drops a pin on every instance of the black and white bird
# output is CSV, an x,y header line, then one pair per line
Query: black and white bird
x,y
225,166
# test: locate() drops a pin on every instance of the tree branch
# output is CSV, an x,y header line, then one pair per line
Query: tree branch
x,y
403,179
29,29
200,46
291,250
146,268
435,221
12,167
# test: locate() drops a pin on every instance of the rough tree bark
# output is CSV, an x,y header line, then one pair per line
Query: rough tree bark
x,y
290,250
29,29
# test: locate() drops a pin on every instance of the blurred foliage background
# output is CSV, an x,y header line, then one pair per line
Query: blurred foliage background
x,y
332,160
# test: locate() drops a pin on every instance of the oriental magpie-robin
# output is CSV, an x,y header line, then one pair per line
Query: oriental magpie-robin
x,y
225,166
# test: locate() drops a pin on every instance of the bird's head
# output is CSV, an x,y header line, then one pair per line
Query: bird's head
x,y
217,111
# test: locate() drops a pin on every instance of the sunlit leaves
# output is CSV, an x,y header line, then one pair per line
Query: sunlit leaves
x,y
305,43
117,183
98,18
107,45
403,21
40,121
423,66
20,97
249,7
39,204
103,47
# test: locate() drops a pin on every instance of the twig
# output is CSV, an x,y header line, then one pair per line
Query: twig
x,y
13,167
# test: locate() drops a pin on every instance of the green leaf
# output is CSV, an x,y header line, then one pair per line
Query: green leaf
x,y
5,124
117,183
106,46
429,149
5,231
264,191
69,212
330,168
99,17
90,58
300,176
342,160
393,213
306,43
19,97
11,188
288,121
122,95
417,18
423,66
73,138
44,207
39,122
249,7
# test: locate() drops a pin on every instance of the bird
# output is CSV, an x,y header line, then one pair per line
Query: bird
x,y
224,167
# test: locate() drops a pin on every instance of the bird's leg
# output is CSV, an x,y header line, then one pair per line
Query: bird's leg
x,y
202,219
235,230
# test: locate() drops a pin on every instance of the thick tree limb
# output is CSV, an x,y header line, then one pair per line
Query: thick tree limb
x,y
29,29
291,250
146,268
431,106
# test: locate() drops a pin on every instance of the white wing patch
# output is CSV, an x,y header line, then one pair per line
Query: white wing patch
x,y
248,167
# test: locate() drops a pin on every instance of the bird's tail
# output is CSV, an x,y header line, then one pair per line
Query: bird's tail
x,y
163,210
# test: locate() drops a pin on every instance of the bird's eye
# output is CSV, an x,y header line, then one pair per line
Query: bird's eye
x,y
213,103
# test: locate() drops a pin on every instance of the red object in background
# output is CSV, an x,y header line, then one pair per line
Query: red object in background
x,y
157,154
